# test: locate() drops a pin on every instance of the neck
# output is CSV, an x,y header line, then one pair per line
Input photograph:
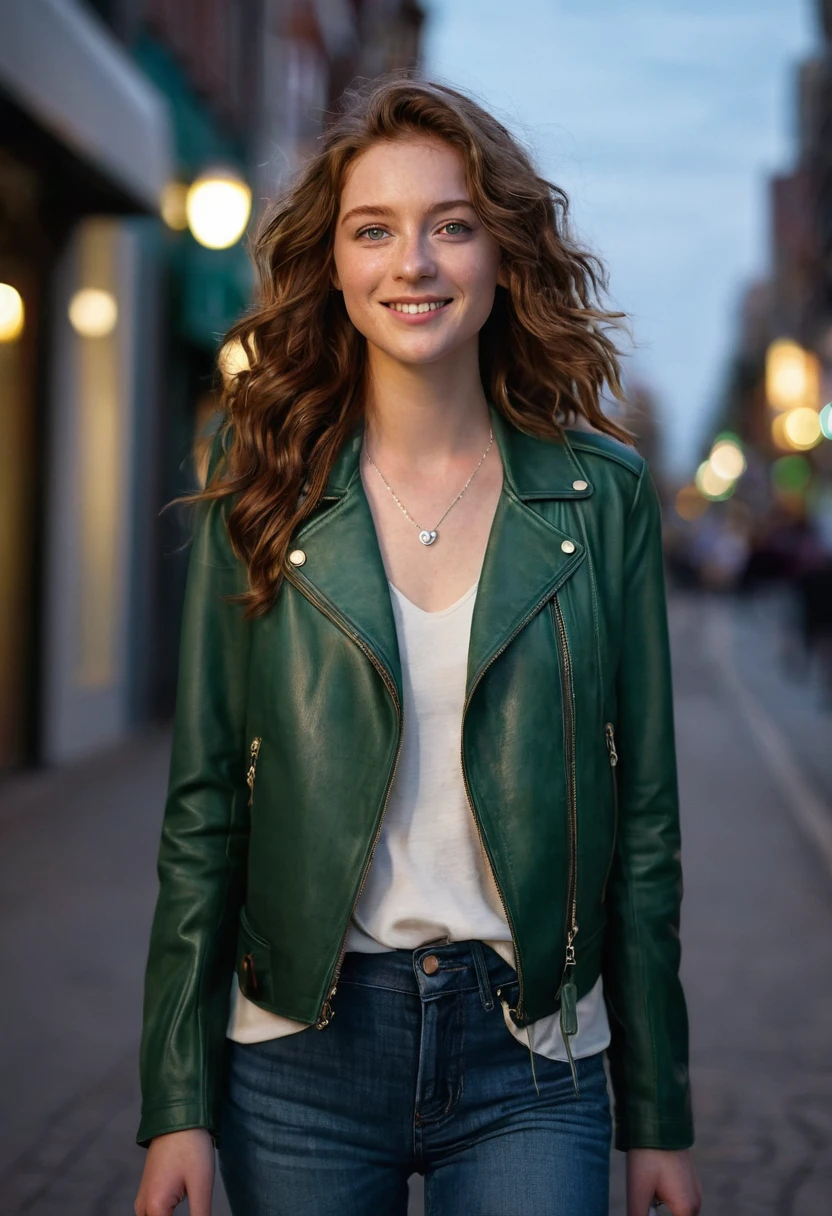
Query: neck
x,y
420,414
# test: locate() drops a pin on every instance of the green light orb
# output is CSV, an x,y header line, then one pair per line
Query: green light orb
x,y
791,474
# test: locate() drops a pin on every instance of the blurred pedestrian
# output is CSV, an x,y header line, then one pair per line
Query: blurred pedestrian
x,y
420,858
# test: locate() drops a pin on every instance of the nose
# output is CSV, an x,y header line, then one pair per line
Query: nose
x,y
415,260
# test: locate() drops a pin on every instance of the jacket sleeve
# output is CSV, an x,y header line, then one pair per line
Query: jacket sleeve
x,y
648,1053
202,855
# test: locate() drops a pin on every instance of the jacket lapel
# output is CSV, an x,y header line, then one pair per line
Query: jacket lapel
x,y
343,569
524,562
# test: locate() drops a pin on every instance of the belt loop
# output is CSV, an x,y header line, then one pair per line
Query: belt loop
x,y
483,980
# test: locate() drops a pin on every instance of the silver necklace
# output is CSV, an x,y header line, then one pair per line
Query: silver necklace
x,y
428,535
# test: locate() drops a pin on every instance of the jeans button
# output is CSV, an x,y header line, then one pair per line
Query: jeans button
x,y
430,963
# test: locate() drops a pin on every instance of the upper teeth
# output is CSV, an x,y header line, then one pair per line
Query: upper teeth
x,y
431,307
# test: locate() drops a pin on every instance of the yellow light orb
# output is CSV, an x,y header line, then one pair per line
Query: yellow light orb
x,y
173,206
801,429
12,313
218,207
232,359
727,460
93,313
792,376
710,484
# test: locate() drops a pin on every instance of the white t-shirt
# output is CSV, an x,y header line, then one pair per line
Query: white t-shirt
x,y
430,877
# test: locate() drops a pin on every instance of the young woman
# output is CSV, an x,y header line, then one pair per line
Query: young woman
x,y
420,859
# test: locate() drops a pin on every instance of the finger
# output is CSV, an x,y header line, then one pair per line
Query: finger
x,y
640,1193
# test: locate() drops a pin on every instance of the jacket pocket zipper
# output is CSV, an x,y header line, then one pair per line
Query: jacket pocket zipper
x,y
609,734
252,767
568,990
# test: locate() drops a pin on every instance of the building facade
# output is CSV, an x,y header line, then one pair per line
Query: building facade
x,y
112,314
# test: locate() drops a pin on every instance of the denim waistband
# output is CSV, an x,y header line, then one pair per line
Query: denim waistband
x,y
432,970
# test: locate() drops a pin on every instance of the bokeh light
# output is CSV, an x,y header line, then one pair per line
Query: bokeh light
x,y
791,474
727,459
689,503
711,485
825,419
93,313
218,207
792,376
12,313
801,428
232,359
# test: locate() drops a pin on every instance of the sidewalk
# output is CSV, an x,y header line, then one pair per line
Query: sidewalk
x,y
77,886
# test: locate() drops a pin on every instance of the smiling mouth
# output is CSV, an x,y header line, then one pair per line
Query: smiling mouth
x,y
413,309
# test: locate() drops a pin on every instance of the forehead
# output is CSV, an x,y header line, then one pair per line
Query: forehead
x,y
407,169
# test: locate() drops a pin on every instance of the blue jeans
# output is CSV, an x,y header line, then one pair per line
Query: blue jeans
x,y
416,1073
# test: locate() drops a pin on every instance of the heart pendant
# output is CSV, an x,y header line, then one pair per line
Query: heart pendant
x,y
427,538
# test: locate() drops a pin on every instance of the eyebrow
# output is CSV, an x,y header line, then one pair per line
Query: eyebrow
x,y
368,209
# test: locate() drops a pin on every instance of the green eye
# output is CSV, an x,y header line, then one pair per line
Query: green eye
x,y
455,224
373,233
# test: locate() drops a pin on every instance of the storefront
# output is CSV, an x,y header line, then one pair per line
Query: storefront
x,y
86,153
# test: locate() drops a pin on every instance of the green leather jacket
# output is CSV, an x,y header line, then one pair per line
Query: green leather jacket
x,y
286,737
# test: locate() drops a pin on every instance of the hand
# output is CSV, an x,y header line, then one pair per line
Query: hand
x,y
178,1164
669,1177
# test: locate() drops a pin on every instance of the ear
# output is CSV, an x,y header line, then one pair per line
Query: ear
x,y
502,275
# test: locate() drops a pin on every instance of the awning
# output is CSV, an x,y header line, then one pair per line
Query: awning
x,y
62,66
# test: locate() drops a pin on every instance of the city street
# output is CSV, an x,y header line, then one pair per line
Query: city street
x,y
77,879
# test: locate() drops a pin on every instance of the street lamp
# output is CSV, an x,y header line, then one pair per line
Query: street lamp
x,y
218,206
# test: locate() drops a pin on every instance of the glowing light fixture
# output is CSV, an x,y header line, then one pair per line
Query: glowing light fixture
x,y
792,376
173,206
12,313
218,206
93,313
711,485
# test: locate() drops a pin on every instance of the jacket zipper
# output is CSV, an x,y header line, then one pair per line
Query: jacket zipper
x,y
569,710
252,767
326,1012
609,733
518,1009
568,991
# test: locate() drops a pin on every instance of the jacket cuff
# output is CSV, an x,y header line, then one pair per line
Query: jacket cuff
x,y
178,1117
669,1135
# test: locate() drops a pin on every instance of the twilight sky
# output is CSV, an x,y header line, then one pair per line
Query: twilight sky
x,y
662,120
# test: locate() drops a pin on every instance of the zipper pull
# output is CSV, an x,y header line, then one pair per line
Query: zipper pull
x,y
327,1012
248,968
610,734
252,768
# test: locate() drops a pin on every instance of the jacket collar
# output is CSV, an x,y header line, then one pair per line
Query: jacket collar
x,y
524,564
532,468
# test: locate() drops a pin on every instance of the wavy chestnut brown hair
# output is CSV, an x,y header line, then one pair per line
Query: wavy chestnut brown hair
x,y
545,353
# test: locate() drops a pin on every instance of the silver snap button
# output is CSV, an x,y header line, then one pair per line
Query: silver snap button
x,y
568,546
297,557
580,485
